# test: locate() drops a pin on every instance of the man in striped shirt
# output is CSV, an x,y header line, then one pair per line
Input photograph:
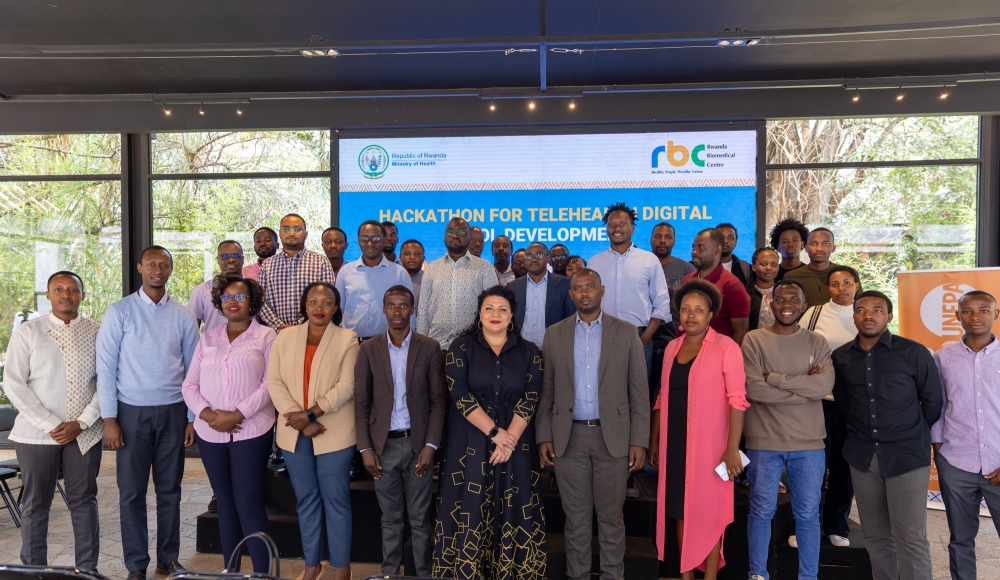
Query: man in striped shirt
x,y
286,274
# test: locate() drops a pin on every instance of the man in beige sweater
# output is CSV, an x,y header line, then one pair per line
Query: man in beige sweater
x,y
788,372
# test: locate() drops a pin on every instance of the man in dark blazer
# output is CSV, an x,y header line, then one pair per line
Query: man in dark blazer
x,y
542,296
400,405
592,423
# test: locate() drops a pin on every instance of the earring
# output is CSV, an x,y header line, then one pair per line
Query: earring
x,y
510,327
479,324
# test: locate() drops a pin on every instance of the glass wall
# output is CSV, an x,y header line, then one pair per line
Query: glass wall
x,y
206,188
899,193
66,216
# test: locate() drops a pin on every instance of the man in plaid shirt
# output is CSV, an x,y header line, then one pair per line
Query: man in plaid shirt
x,y
286,274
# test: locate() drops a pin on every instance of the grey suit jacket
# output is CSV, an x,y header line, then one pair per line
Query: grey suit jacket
x,y
426,398
622,389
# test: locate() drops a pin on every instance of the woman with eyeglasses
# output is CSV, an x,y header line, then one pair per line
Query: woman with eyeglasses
x,y
226,389
311,381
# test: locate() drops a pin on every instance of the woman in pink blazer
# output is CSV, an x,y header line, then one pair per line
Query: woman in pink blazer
x,y
701,402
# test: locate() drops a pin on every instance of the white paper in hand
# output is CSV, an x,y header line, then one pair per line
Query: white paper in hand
x,y
721,469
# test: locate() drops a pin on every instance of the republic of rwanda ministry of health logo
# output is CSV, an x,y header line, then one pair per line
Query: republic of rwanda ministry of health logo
x,y
373,161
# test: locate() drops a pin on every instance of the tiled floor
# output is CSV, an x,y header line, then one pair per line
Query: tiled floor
x,y
197,492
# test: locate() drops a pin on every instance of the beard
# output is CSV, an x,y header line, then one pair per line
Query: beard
x,y
588,309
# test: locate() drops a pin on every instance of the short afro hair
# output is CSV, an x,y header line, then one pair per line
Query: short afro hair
x,y
255,292
713,234
699,286
783,226
875,294
620,206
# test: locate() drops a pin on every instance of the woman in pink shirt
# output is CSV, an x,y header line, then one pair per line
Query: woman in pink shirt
x,y
226,389
701,403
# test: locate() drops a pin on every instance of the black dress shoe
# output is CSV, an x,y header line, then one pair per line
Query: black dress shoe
x,y
631,491
213,506
171,568
276,457
137,575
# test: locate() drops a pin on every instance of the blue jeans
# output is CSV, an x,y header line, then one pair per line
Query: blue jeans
x,y
805,483
322,483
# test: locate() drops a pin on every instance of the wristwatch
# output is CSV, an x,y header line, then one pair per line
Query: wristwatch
x,y
311,415
493,432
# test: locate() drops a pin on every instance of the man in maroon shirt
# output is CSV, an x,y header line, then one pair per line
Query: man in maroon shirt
x,y
733,319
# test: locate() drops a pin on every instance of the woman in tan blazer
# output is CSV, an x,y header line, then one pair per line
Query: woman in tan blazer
x,y
311,381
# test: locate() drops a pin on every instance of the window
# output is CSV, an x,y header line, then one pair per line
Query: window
x,y
207,187
900,194
60,209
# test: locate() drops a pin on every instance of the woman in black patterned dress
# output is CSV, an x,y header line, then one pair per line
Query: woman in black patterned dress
x,y
490,520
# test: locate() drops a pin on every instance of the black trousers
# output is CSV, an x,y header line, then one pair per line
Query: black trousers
x,y
154,440
840,489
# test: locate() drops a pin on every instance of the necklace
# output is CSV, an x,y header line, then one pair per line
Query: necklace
x,y
493,344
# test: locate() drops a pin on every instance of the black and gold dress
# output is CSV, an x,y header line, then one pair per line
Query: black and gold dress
x,y
490,519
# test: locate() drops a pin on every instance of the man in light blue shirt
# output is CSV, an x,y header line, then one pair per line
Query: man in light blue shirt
x,y
586,359
144,349
542,297
399,426
635,289
362,283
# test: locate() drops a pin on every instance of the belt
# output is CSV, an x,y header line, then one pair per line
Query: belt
x,y
588,422
401,434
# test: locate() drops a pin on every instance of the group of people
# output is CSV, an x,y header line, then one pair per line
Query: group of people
x,y
485,375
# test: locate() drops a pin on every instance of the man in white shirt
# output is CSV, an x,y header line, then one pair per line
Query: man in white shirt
x,y
51,378
229,255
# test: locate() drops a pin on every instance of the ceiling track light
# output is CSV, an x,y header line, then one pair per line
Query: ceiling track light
x,y
944,93
572,105
201,109
857,96
531,105
330,52
493,106
166,111
239,110
738,42
899,94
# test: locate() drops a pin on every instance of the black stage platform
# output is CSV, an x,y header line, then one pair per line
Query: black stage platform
x,y
640,527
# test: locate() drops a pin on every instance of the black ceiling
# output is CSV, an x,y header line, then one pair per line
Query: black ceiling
x,y
124,47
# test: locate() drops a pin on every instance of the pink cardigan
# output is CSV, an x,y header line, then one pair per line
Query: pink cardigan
x,y
716,383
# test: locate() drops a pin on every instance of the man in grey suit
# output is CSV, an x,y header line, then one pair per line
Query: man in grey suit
x,y
400,404
593,423
542,297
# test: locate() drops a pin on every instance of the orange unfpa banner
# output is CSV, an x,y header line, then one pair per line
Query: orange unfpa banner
x,y
928,302
927,312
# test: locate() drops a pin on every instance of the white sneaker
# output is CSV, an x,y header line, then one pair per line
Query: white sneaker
x,y
793,542
839,541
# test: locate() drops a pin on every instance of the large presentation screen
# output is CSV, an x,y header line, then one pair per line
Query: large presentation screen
x,y
551,188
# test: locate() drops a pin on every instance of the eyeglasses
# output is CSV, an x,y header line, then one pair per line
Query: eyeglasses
x,y
367,239
459,233
558,258
228,256
236,297
296,229
538,255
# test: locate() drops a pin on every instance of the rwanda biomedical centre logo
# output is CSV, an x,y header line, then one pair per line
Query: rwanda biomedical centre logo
x,y
373,161
704,155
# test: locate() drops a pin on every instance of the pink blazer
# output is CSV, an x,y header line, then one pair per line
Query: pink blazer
x,y
717,383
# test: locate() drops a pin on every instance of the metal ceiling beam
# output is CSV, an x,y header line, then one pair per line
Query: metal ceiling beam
x,y
512,92
499,43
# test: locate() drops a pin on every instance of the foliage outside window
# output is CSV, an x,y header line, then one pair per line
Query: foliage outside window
x,y
190,218
47,226
247,152
886,219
